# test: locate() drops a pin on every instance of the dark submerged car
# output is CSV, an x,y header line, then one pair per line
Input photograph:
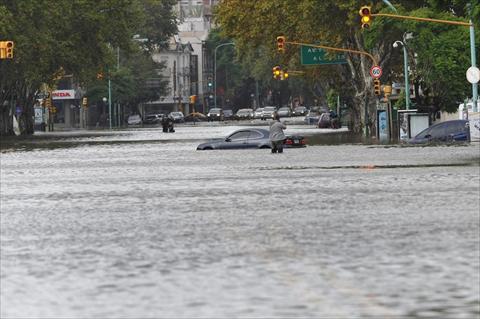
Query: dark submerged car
x,y
215,114
153,119
249,138
445,132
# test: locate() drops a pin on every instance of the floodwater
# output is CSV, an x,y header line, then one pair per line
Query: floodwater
x,y
138,224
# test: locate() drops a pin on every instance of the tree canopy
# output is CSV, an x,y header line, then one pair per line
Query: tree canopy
x,y
73,37
439,53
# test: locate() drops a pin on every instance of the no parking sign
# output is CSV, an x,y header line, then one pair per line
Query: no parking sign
x,y
376,72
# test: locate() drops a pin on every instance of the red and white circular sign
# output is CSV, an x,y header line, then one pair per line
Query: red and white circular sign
x,y
376,71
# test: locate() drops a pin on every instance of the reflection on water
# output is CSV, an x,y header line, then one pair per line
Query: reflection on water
x,y
140,224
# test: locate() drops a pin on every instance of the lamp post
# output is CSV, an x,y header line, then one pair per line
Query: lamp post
x,y
474,64
405,70
215,71
109,102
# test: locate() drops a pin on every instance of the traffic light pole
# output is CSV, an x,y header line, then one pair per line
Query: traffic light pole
x,y
215,71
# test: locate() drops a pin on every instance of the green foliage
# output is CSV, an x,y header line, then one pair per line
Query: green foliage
x,y
79,38
442,50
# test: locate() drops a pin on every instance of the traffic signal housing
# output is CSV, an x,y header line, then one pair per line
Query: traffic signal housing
x,y
365,13
84,102
376,87
277,71
281,44
6,49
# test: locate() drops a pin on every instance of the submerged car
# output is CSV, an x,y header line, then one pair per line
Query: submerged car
x,y
258,113
268,112
284,112
312,117
215,114
249,138
177,117
445,132
227,114
134,119
153,119
244,114
300,111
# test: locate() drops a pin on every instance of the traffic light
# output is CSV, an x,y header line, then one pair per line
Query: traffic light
x,y
365,13
276,72
84,102
376,87
6,49
281,44
210,83
193,99
285,75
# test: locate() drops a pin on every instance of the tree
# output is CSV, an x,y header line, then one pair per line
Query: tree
x,y
255,24
74,37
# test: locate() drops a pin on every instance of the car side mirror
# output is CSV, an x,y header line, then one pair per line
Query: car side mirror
x,y
428,136
228,139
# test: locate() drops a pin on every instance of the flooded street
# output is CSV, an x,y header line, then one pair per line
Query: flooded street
x,y
138,224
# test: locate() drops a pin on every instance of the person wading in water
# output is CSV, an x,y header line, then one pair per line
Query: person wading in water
x,y
276,134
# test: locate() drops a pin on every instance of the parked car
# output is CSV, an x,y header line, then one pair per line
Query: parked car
x,y
329,120
227,114
134,119
284,112
195,117
312,117
153,119
215,114
445,132
244,114
249,138
258,113
177,117
268,112
300,111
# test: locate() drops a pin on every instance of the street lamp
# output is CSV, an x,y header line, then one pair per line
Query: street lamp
x,y
405,70
215,71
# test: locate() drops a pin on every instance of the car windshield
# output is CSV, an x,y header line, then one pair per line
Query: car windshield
x,y
300,108
283,109
176,114
269,109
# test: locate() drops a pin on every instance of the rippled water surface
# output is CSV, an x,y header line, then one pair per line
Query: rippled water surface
x,y
138,224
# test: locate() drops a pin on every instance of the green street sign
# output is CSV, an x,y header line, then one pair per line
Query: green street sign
x,y
317,56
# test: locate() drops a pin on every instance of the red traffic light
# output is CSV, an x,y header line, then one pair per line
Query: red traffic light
x,y
364,11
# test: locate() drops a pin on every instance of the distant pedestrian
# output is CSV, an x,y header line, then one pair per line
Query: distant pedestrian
x,y
276,134
167,124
